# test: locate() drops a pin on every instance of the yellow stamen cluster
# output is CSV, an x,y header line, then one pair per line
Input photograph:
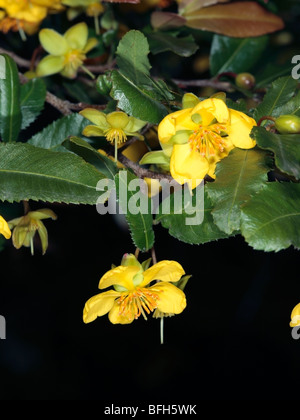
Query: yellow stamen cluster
x,y
208,139
115,135
136,303
74,59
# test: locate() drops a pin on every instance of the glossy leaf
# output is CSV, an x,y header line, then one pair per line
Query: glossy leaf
x,y
10,108
178,227
32,99
238,19
140,225
281,91
271,220
132,56
32,173
135,101
235,54
238,178
160,42
55,133
286,148
83,149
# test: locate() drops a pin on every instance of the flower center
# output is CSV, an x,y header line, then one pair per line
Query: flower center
x,y
74,58
140,302
115,134
208,140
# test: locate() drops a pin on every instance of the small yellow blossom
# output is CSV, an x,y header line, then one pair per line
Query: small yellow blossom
x,y
295,316
197,137
132,294
91,7
115,127
25,227
66,52
4,228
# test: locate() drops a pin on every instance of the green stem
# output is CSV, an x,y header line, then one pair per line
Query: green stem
x,y
88,72
97,27
116,151
162,330
31,247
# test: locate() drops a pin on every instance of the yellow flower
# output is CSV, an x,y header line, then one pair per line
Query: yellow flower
x,y
25,228
132,296
115,127
4,228
91,7
66,52
196,138
295,316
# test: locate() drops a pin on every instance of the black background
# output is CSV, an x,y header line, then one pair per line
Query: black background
x,y
233,341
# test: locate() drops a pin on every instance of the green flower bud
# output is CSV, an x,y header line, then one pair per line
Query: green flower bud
x,y
103,84
245,81
288,124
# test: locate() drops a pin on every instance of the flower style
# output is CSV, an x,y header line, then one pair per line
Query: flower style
x,y
197,137
132,296
4,228
115,127
25,228
295,316
66,52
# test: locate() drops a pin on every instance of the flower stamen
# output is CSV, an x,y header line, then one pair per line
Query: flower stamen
x,y
139,302
208,140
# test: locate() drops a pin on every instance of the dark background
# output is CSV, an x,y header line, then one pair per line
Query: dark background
x,y
233,341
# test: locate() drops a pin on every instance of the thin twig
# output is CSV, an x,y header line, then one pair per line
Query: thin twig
x,y
224,86
141,172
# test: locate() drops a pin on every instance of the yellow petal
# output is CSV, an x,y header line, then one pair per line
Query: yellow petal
x,y
240,128
115,317
77,36
186,164
118,119
92,131
134,124
95,116
91,43
54,43
214,106
99,305
170,299
50,65
42,214
295,316
121,276
167,127
189,100
165,271
4,229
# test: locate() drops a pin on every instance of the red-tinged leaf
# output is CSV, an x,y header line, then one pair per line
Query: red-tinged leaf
x,y
239,20
194,5
122,1
166,20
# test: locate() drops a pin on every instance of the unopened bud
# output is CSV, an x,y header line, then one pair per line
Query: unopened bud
x,y
245,81
288,124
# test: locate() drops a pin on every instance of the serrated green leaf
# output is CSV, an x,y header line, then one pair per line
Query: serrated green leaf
x,y
271,220
32,99
196,234
132,57
286,148
134,101
292,107
238,178
160,41
55,133
140,225
32,173
281,91
10,109
235,54
83,149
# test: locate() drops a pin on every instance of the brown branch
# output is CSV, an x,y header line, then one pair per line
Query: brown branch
x,y
141,172
224,86
63,106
